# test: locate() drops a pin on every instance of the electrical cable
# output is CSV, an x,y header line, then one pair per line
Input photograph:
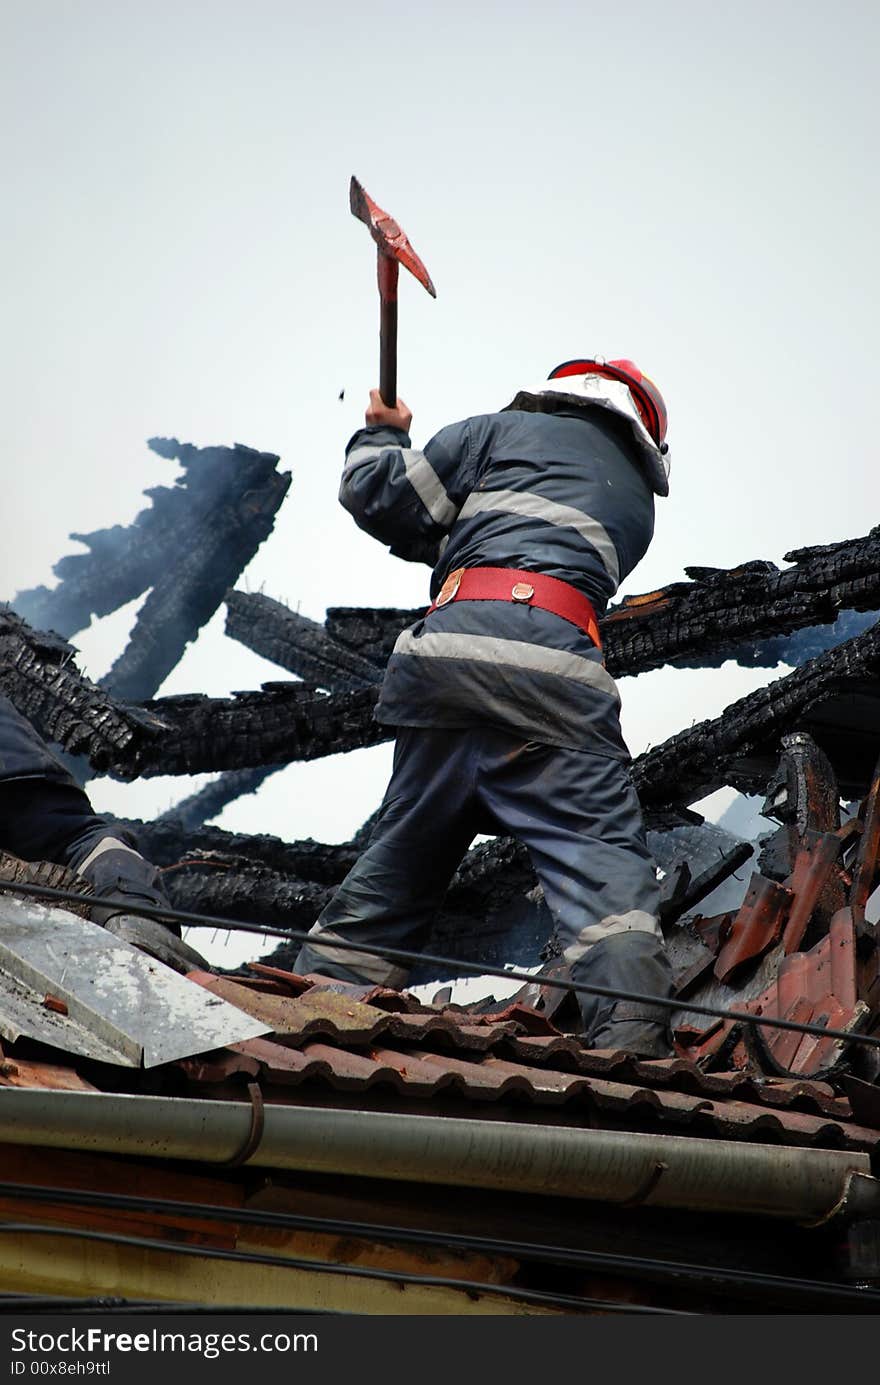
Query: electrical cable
x,y
570,1257
10,1303
467,968
400,1278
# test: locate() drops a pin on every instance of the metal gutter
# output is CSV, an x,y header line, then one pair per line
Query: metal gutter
x,y
803,1185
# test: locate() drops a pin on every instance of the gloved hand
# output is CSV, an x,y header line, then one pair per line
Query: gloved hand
x,y
118,873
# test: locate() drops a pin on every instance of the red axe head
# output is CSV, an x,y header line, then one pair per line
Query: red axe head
x,y
387,234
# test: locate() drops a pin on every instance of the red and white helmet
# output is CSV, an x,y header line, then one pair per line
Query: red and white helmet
x,y
621,386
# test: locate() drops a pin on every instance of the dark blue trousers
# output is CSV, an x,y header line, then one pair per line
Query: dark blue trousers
x,y
577,814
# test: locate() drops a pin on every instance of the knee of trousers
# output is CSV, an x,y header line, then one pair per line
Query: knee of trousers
x,y
633,960
346,963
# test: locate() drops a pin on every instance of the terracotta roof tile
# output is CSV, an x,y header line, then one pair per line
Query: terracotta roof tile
x,y
592,1088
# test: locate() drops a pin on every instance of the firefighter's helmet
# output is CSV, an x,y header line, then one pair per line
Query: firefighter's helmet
x,y
646,396
620,385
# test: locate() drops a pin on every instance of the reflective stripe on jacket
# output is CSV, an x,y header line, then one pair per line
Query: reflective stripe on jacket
x,y
555,493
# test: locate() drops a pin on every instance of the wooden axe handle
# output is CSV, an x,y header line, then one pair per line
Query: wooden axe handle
x,y
388,275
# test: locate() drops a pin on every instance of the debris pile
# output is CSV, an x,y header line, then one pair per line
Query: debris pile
x,y
799,947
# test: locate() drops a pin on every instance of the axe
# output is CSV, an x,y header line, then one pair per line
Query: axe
x,y
394,249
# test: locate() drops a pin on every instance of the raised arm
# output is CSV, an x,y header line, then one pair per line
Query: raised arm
x,y
405,498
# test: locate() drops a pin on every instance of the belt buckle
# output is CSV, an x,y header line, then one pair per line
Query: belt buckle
x,y
450,587
522,591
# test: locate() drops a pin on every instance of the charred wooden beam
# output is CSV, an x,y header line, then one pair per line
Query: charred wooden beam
x,y
175,735
294,721
123,562
244,492
38,674
167,844
120,565
283,722
839,689
229,887
738,613
371,630
197,808
720,610
294,642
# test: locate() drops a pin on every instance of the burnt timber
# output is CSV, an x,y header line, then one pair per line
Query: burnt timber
x,y
295,643
835,697
832,696
280,723
174,735
38,674
186,550
197,808
737,613
294,722
167,844
715,615
219,510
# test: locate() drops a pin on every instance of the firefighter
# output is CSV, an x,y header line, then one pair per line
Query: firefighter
x,y
507,720
46,816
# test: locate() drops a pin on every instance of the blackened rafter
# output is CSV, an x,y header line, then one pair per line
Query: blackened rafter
x,y
737,613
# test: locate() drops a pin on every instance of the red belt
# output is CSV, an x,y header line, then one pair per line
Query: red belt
x,y
523,589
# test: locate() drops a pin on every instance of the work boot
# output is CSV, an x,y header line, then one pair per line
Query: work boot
x,y
118,873
630,961
636,1029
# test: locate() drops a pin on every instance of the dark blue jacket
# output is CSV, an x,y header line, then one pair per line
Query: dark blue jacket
x,y
558,493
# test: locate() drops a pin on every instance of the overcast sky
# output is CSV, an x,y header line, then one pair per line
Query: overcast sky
x,y
690,185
